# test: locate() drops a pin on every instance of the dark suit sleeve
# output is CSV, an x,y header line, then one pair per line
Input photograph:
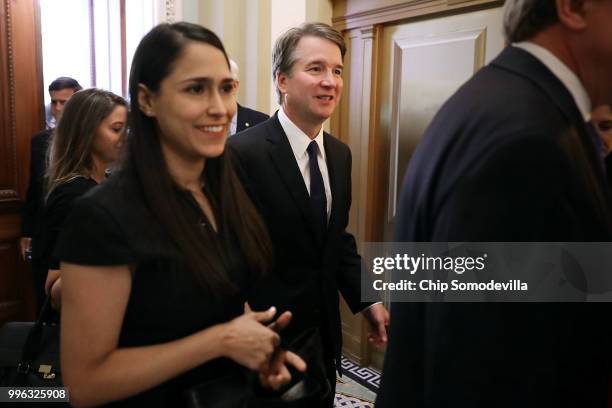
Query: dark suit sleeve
x,y
258,117
348,275
502,199
250,116
34,195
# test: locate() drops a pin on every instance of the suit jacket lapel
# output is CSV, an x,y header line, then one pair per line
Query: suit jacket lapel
x,y
283,158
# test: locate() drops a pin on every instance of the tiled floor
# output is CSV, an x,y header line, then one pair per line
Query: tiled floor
x,y
343,401
350,394
366,376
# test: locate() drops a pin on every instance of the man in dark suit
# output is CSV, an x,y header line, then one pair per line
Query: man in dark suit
x,y
300,179
247,117
244,117
509,158
60,90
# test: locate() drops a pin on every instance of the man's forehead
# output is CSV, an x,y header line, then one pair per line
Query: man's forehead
x,y
62,94
65,91
310,48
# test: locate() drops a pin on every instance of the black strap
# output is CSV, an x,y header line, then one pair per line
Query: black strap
x,y
34,339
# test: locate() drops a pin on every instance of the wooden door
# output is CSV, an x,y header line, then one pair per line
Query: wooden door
x,y
404,59
21,115
423,64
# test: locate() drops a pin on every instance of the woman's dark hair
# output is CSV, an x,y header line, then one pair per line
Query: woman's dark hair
x,y
153,61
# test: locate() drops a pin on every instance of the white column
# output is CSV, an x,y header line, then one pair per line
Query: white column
x,y
248,29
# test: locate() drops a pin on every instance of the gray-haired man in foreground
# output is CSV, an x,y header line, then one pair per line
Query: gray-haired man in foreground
x,y
510,157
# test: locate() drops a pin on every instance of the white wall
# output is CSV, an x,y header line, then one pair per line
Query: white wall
x,y
248,29
191,11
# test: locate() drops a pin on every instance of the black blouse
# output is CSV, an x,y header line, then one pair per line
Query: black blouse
x,y
112,225
56,210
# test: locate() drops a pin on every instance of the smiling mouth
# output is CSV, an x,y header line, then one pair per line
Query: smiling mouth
x,y
212,129
326,98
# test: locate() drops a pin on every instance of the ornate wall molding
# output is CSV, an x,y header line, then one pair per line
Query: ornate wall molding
x,y
406,10
170,12
10,116
21,115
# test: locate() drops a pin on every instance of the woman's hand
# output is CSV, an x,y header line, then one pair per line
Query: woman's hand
x,y
53,288
248,341
56,294
25,243
278,374
52,276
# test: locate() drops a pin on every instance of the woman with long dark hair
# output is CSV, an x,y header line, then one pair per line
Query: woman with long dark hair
x,y
156,267
86,143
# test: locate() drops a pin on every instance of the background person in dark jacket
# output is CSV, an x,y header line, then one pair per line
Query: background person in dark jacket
x,y
60,91
244,117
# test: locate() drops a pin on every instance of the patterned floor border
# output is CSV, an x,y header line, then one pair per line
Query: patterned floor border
x,y
365,376
344,401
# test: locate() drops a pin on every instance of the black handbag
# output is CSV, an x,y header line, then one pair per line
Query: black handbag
x,y
242,390
29,352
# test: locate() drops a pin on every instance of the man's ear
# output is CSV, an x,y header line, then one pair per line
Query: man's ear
x,y
281,83
572,14
146,101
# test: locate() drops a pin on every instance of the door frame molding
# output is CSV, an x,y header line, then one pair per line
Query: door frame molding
x,y
363,32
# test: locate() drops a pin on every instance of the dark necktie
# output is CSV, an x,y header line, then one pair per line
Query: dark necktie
x,y
599,147
318,200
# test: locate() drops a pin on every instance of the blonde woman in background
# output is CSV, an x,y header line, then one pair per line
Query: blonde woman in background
x,y
86,143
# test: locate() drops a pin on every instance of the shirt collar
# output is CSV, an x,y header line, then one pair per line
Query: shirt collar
x,y
298,140
563,73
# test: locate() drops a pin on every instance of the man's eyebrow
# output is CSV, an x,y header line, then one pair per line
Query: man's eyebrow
x,y
322,62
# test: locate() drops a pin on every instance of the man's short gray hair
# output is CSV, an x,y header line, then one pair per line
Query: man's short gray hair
x,y
283,55
525,18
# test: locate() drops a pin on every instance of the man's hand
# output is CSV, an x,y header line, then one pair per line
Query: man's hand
x,y
24,245
278,373
378,317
